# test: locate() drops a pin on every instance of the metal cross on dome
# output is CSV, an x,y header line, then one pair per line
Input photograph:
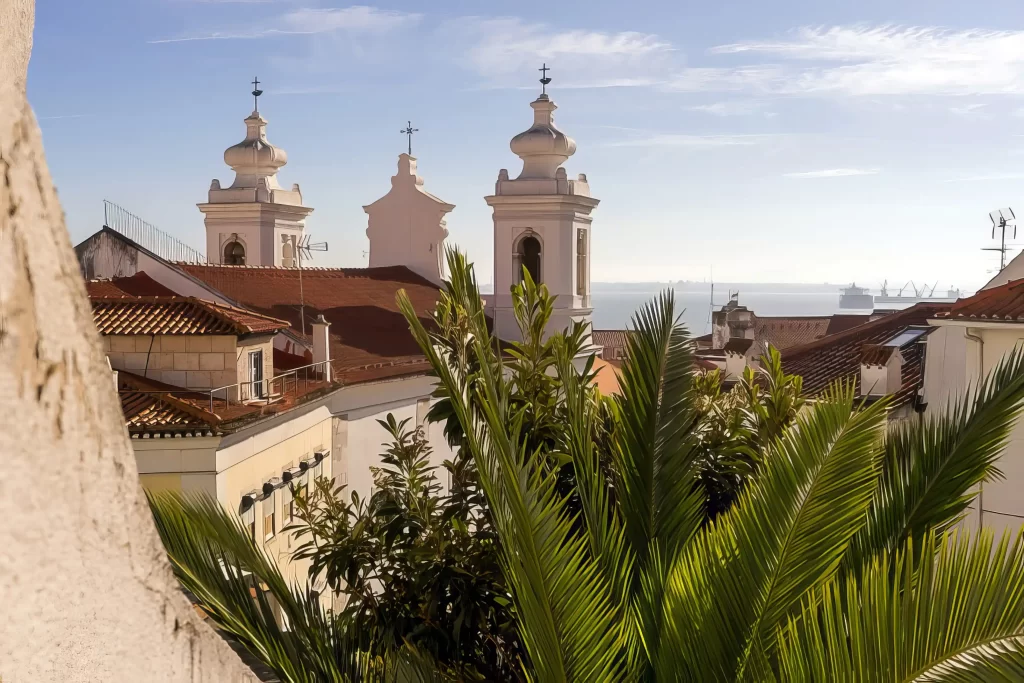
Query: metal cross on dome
x,y
409,130
256,92
544,80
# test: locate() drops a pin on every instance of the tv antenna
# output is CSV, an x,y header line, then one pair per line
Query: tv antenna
x,y
1002,219
304,250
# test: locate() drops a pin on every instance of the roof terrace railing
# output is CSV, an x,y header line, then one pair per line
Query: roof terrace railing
x,y
296,380
148,235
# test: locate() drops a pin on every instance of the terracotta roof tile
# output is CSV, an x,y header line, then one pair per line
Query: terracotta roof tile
x,y
782,332
876,354
613,338
369,336
173,315
1004,303
738,345
838,356
139,284
152,406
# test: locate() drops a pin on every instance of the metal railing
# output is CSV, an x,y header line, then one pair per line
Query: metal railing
x,y
148,235
296,380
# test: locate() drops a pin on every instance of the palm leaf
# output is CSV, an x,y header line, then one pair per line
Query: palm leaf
x,y
654,444
216,561
955,616
562,601
933,466
744,575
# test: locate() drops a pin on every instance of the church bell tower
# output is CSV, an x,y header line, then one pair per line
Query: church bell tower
x,y
255,221
542,223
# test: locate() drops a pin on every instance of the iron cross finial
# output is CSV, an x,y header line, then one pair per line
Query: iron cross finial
x,y
256,92
544,80
408,131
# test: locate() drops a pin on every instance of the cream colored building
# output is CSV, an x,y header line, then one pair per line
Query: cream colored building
x,y
250,372
965,345
542,223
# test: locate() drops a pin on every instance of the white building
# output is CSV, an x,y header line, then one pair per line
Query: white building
x,y
243,372
254,221
966,343
542,223
407,226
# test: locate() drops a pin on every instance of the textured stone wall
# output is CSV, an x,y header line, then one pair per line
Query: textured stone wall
x,y
85,588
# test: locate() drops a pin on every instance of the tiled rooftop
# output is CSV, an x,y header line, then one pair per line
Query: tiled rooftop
x,y
139,284
839,356
151,406
369,337
173,315
1004,303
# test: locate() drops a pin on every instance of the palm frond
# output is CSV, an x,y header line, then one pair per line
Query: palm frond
x,y
748,572
933,466
216,561
654,444
603,524
953,616
562,601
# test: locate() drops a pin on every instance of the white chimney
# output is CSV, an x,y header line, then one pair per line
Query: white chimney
x,y
881,370
322,345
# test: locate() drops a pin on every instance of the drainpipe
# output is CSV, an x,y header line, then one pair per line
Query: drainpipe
x,y
981,374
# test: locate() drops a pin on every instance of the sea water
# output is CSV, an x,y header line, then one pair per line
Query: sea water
x,y
614,304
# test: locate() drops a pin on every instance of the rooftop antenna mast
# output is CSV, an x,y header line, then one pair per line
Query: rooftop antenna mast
x,y
1002,219
304,250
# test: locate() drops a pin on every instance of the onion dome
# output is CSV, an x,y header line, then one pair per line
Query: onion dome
x,y
543,148
254,157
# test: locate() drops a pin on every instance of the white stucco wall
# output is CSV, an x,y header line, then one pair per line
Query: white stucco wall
x,y
951,366
86,589
406,227
554,221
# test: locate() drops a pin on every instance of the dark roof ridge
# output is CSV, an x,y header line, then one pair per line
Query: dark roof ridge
x,y
891,320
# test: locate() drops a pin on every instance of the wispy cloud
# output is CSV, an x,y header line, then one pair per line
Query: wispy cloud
x,y
496,49
309,21
64,116
731,108
690,141
889,60
1011,175
833,173
974,109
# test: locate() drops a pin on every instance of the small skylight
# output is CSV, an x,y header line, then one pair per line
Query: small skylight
x,y
907,336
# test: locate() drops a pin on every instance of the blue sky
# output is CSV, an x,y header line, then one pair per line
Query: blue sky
x,y
796,141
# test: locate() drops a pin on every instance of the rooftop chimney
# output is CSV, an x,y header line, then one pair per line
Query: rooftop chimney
x,y
322,345
738,354
881,370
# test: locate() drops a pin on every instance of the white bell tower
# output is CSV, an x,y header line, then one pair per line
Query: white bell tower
x,y
542,222
255,221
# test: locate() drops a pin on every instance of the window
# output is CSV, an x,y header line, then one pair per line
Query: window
x,y
269,518
256,373
528,256
911,334
299,491
234,254
249,513
581,262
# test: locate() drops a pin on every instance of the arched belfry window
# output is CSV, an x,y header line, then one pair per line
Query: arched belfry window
x,y
528,255
234,254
